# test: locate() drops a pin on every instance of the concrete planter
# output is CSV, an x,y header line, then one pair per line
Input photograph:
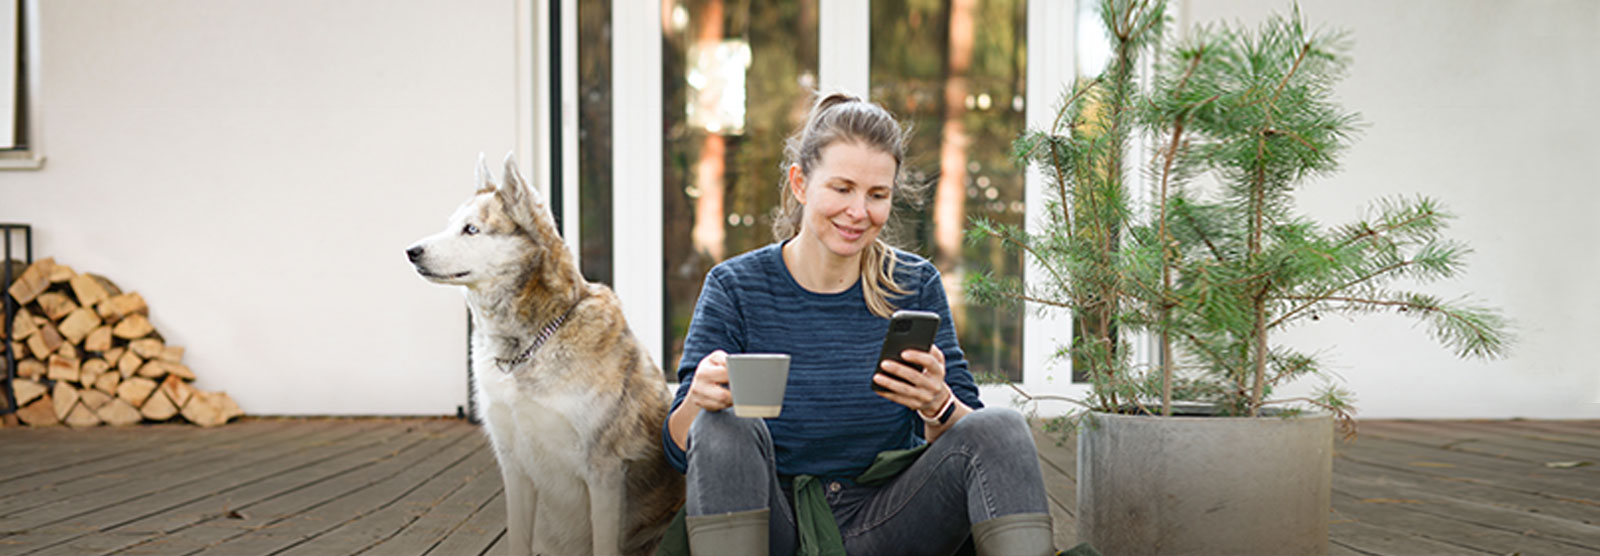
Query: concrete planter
x,y
1205,485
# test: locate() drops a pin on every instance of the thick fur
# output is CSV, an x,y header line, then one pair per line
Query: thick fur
x,y
576,427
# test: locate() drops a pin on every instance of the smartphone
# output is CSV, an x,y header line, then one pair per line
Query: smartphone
x,y
907,330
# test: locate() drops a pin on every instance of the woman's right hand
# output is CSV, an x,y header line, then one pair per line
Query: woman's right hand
x,y
709,390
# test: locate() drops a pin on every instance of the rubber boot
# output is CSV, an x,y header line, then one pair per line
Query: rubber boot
x,y
1014,535
731,533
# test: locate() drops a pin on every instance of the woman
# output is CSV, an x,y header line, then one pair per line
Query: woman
x,y
823,295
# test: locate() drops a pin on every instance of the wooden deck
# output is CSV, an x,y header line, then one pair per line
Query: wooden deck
x,y
430,486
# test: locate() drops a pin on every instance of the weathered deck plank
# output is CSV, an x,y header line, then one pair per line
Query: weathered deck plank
x,y
218,494
285,521
438,522
416,487
126,481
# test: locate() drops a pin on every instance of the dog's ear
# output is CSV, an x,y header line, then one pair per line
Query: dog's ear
x,y
483,178
514,180
521,201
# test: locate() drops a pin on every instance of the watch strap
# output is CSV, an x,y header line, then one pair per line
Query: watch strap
x,y
943,415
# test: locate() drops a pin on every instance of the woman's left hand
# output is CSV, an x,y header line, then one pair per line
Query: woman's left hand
x,y
924,391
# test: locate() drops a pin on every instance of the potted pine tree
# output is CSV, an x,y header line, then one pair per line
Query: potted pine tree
x,y
1195,455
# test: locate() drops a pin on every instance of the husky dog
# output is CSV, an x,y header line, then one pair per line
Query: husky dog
x,y
571,401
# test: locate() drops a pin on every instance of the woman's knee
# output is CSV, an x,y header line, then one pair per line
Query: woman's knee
x,y
721,432
1000,427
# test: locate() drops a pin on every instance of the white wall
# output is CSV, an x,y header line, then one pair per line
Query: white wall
x,y
255,170
1489,106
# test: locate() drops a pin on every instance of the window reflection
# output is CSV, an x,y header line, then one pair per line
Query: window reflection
x,y
955,71
737,80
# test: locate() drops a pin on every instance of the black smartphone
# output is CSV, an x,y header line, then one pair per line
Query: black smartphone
x,y
907,330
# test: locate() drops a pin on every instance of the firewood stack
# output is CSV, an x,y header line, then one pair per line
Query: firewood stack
x,y
87,355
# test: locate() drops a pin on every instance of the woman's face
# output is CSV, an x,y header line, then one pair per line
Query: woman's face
x,y
847,196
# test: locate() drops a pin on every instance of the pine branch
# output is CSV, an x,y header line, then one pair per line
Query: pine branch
x,y
1368,231
1321,298
1269,132
1216,357
1216,253
1476,336
1273,104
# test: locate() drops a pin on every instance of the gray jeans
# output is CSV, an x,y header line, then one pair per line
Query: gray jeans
x,y
984,467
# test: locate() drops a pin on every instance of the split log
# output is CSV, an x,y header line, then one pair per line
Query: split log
x,y
136,390
177,390
128,364
33,281
31,368
61,273
46,341
99,340
81,417
26,390
88,290
132,327
108,382
173,354
93,399
119,413
114,355
105,283
181,370
201,410
22,326
63,368
230,408
56,305
95,366
64,396
40,413
35,345
147,348
69,351
158,407
49,337
78,324
89,373
118,306
153,369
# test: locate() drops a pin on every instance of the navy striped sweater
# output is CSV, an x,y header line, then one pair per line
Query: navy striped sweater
x,y
832,423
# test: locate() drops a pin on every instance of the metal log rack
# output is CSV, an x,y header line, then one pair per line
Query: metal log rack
x,y
11,307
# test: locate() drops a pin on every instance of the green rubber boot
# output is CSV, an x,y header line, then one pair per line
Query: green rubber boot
x,y
731,533
1014,535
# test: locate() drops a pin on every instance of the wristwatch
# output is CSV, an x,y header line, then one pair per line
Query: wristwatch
x,y
944,413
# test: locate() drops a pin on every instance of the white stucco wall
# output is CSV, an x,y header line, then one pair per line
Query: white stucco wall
x,y
1491,107
256,169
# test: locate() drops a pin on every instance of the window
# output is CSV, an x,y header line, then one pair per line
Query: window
x,y
594,141
956,71
18,146
693,99
735,81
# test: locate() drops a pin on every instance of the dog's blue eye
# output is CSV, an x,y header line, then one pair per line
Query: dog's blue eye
x,y
470,230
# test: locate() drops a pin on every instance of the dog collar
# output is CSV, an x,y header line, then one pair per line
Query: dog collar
x,y
506,365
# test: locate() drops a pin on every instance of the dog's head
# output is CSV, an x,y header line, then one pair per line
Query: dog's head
x,y
503,231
